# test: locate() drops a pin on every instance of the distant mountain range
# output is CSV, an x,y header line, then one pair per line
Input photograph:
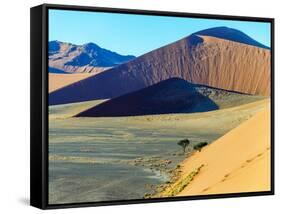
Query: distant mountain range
x,y
66,57
219,57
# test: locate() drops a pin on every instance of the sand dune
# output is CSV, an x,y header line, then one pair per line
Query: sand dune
x,y
57,81
207,60
237,162
169,96
231,35
174,95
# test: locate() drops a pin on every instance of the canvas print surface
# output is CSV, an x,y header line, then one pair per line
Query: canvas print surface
x,y
144,106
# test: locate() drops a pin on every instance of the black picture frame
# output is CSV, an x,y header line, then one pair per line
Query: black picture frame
x,y
39,105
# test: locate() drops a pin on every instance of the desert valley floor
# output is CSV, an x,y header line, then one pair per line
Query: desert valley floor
x,y
117,158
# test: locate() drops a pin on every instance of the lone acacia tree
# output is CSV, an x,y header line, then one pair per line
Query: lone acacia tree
x,y
184,143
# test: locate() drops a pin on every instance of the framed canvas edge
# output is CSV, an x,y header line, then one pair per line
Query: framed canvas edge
x,y
37,142
44,102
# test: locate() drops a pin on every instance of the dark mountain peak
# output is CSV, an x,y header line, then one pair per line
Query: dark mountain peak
x,y
54,46
55,42
230,34
90,46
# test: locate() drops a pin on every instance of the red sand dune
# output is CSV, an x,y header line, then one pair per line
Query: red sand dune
x,y
206,60
239,161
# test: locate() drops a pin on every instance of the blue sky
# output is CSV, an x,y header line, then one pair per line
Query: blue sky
x,y
137,34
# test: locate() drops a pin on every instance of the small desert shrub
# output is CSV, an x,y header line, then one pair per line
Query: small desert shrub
x,y
184,143
199,146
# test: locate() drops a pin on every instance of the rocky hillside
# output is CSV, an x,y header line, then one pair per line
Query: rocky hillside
x,y
82,58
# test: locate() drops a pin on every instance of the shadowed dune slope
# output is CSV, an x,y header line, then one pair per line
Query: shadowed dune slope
x,y
169,96
237,162
206,60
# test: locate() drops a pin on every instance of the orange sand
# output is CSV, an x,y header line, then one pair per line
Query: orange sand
x,y
57,81
237,162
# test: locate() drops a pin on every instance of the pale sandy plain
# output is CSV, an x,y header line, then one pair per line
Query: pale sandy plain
x,y
239,161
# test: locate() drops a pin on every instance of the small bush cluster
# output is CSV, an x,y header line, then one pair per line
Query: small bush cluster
x,y
199,146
